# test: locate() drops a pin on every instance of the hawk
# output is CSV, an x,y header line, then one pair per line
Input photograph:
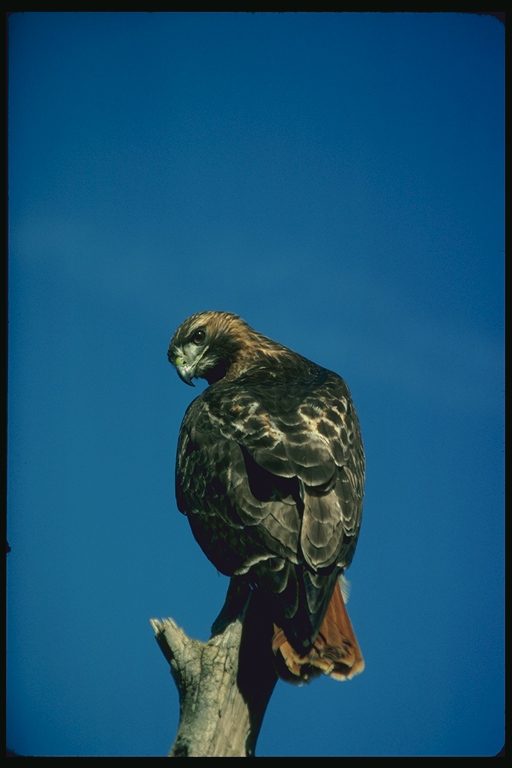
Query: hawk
x,y
270,472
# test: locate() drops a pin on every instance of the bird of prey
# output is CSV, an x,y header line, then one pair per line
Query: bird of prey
x,y
270,472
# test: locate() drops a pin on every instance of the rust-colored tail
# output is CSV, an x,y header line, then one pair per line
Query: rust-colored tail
x,y
335,653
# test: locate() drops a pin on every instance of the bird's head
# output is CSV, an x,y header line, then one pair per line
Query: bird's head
x,y
206,345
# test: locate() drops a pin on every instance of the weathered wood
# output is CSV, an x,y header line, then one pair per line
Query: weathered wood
x,y
225,684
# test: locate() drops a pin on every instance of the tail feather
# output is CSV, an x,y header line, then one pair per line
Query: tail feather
x,y
335,651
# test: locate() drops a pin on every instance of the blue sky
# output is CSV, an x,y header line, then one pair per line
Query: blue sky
x,y
337,180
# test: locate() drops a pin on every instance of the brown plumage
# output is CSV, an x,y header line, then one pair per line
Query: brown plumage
x,y
270,472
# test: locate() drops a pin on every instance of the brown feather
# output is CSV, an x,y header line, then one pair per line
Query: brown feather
x,y
335,652
270,472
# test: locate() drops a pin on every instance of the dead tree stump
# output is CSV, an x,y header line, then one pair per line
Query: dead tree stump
x,y
224,685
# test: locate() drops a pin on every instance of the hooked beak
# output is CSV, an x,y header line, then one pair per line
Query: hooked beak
x,y
185,372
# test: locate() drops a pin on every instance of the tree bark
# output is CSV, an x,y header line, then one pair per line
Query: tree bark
x,y
225,684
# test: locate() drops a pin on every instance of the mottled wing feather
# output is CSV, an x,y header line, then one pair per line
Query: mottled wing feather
x,y
272,478
214,490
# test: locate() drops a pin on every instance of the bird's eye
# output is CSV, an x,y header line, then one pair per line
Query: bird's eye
x,y
199,336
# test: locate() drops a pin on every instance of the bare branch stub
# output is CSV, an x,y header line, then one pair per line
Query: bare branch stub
x,y
224,685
